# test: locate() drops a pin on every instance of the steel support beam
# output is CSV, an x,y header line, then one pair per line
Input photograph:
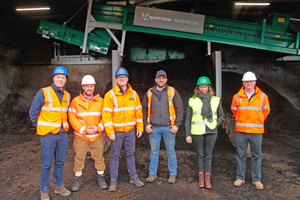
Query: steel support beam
x,y
208,48
218,67
116,61
86,32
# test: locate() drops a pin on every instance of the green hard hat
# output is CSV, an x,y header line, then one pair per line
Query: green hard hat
x,y
203,80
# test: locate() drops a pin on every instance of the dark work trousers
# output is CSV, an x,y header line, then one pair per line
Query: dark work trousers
x,y
204,145
128,139
53,145
255,141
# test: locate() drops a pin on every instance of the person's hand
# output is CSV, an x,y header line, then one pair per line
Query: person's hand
x,y
174,129
112,137
148,129
91,130
189,139
139,134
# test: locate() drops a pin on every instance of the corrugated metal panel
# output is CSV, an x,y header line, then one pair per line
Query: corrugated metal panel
x,y
37,52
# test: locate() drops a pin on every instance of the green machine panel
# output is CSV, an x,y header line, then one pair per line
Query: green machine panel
x,y
98,40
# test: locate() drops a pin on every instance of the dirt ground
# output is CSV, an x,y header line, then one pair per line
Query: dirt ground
x,y
21,162
20,159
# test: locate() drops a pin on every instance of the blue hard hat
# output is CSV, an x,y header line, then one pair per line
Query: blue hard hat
x,y
121,71
60,70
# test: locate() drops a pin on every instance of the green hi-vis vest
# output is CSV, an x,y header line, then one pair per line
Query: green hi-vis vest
x,y
198,122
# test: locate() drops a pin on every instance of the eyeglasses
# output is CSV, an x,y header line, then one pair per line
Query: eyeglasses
x,y
122,77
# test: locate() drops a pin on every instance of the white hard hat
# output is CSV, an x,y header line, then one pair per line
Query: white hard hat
x,y
249,76
88,79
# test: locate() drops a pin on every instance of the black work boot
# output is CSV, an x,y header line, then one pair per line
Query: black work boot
x,y
77,184
101,182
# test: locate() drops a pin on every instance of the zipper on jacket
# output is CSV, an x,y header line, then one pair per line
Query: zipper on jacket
x,y
159,109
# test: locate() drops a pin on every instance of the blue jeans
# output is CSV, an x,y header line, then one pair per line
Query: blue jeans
x,y
255,141
129,147
53,145
169,139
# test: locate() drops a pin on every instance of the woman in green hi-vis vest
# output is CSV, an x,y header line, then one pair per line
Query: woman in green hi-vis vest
x,y
204,114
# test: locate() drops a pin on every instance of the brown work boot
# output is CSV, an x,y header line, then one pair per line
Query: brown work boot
x,y
258,185
201,179
238,182
172,179
137,181
62,191
207,180
113,186
151,178
45,196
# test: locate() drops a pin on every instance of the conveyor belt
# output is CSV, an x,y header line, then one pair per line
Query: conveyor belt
x,y
98,41
269,35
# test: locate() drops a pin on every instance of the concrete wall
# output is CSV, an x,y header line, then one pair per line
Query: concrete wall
x,y
27,80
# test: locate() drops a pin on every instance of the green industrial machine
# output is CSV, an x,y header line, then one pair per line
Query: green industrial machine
x,y
98,40
271,34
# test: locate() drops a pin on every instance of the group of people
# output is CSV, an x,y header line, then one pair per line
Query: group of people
x,y
123,118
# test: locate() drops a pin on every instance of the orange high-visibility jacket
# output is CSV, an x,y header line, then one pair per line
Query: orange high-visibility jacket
x,y
84,113
172,112
53,114
122,112
250,115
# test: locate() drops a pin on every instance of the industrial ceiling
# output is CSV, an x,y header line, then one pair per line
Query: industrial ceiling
x,y
22,26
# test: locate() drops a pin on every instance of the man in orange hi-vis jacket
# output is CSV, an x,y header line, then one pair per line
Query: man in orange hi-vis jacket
x,y
86,120
122,117
250,107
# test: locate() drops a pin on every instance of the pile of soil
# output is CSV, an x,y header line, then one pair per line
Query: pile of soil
x,y
14,115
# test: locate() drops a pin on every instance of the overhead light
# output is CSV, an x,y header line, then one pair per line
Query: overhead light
x,y
251,4
28,9
123,3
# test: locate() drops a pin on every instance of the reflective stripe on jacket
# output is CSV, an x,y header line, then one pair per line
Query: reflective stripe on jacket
x,y
84,113
250,115
198,122
122,112
172,112
53,114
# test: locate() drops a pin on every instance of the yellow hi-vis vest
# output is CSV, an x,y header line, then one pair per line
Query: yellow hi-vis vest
x,y
172,113
53,114
198,122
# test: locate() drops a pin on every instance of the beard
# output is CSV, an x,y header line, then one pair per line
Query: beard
x,y
88,93
162,85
